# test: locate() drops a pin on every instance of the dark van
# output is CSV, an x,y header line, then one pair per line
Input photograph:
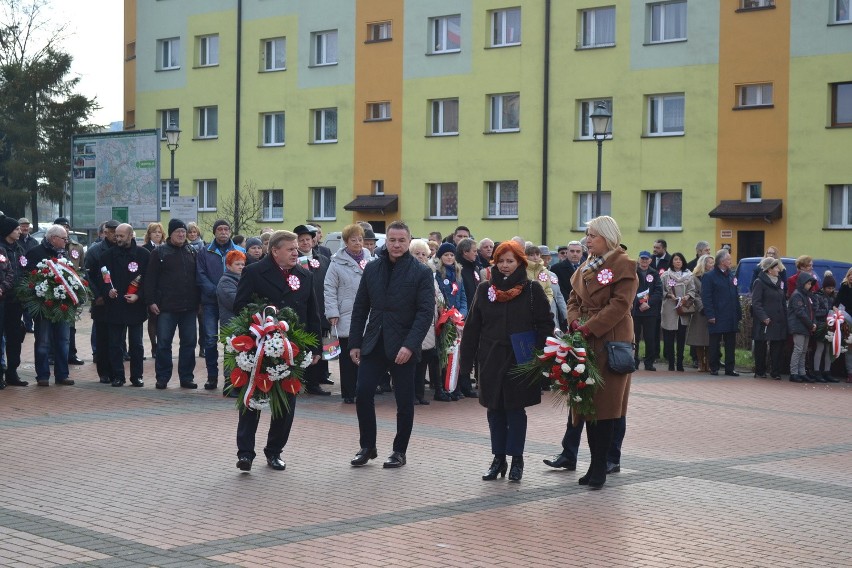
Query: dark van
x,y
746,267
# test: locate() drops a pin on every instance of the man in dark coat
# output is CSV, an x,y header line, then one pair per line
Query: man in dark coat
x,y
76,255
722,308
27,241
125,311
317,264
564,269
13,329
646,309
100,330
390,317
280,280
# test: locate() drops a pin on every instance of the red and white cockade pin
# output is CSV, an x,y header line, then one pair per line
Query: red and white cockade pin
x,y
455,289
314,263
133,267
649,278
735,280
23,260
605,276
2,258
492,294
542,276
75,254
671,283
476,276
554,279
293,282
362,263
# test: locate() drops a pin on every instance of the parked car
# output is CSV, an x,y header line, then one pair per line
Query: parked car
x,y
746,267
334,241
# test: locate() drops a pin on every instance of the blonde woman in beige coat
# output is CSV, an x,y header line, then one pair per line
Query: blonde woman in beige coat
x,y
697,335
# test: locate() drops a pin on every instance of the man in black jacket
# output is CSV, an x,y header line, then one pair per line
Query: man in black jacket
x,y
13,328
317,264
100,330
395,303
565,269
646,309
280,280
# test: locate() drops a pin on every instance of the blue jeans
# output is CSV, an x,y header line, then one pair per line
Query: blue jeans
x,y
210,339
184,322
51,337
508,431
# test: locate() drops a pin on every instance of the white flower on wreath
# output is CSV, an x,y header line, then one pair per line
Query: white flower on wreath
x,y
306,361
259,403
59,293
590,381
580,368
41,289
245,361
274,345
228,347
566,368
578,398
278,372
849,339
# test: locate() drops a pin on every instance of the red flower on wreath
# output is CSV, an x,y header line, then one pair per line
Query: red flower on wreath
x,y
243,343
238,377
31,285
263,382
63,307
581,385
48,303
291,386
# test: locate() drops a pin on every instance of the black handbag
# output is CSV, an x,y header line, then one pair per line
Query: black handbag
x,y
619,357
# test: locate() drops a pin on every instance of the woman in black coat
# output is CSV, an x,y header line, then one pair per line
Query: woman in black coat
x,y
769,307
506,305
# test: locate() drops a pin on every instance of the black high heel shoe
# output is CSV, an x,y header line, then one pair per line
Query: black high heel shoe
x,y
498,467
516,472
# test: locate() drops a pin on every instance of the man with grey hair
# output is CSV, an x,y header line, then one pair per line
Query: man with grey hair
x,y
565,269
722,308
701,248
484,252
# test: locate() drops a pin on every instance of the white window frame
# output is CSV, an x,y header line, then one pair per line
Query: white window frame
x,y
660,11
653,211
494,200
751,4
439,118
502,33
270,206
837,12
167,191
753,191
588,28
585,108
323,194
379,31
273,124
272,47
761,93
657,107
167,117
496,121
203,189
168,54
378,111
320,118
205,130
378,187
439,29
586,207
208,50
845,208
435,195
320,45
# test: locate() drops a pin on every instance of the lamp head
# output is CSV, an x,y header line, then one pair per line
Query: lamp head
x,y
601,118
172,136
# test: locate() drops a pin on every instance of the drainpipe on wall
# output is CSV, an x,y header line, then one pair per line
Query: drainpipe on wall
x,y
545,122
236,229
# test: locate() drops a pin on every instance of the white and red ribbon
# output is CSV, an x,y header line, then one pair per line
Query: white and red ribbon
x,y
558,349
835,323
60,270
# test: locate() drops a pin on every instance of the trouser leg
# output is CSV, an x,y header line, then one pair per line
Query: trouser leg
x,y
279,430
571,439
246,428
516,434
403,383
371,368
498,427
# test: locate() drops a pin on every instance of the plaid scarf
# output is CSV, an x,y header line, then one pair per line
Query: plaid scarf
x,y
593,264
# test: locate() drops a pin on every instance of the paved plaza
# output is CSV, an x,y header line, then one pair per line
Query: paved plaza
x,y
717,472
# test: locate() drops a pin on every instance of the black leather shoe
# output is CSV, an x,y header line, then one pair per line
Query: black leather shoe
x,y
243,463
363,456
560,461
326,381
442,396
136,382
161,386
65,382
16,382
613,468
275,463
188,385
348,400
650,368
394,461
516,471
470,393
75,361
795,379
210,385
317,390
498,467
805,378
422,401
828,378
714,373
105,380
760,375
815,378
732,374
118,382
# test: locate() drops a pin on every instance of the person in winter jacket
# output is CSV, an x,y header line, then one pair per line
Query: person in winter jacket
x,y
844,301
801,320
769,309
429,361
674,281
823,303
12,254
226,289
646,309
721,302
537,271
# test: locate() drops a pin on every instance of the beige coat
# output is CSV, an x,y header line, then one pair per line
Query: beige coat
x,y
668,312
697,334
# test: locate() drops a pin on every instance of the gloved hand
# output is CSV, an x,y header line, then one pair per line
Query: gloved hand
x,y
574,325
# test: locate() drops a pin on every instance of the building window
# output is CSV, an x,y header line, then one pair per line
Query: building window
x,y
597,27
325,125
446,34
445,117
169,117
378,111
506,27
840,207
323,203
503,199
663,210
129,118
208,122
754,95
841,104
667,22
130,51
208,50
753,191
586,207
749,4
443,200
168,189
587,130
273,129
325,48
665,115
273,204
275,54
379,31
168,51
842,13
505,113
378,187
206,194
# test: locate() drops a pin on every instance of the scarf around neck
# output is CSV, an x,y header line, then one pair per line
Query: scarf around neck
x,y
509,287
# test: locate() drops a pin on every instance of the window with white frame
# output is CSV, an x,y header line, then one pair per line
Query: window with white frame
x,y
379,31
663,210
841,104
754,95
208,50
842,11
753,191
168,51
666,115
587,130
503,199
275,54
323,201
586,207
667,21
168,189
443,201
840,206
206,194
272,208
505,112
325,48
168,117
378,111
378,187
748,4
273,129
325,125
208,122
445,32
506,27
597,27
445,117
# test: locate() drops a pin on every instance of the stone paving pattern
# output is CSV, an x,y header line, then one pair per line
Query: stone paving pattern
x,y
717,472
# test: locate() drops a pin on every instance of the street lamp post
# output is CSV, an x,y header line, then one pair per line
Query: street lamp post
x,y
601,119
172,139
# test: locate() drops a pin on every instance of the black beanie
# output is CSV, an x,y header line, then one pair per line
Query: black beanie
x,y
7,225
175,224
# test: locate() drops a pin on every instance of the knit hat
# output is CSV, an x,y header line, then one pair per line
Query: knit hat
x,y
445,248
7,225
218,224
175,224
828,280
253,242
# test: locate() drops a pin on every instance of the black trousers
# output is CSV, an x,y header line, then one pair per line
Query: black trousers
x,y
13,328
348,370
730,340
101,331
775,349
116,334
670,337
428,362
645,328
276,439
